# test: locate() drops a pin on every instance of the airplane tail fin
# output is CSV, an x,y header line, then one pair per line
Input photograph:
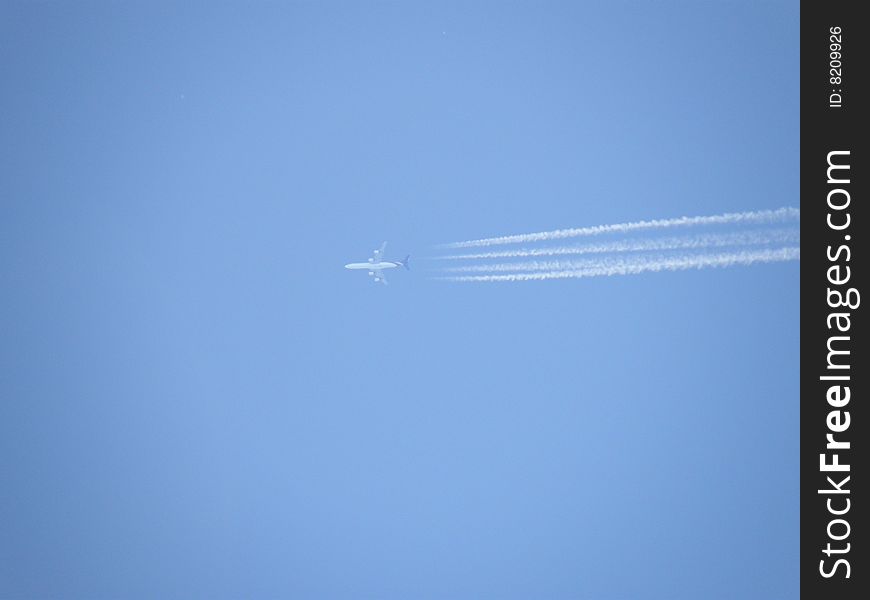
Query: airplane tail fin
x,y
405,262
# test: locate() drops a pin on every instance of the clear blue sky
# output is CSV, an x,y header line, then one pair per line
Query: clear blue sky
x,y
197,400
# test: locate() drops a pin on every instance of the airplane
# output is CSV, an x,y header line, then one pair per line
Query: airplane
x,y
377,264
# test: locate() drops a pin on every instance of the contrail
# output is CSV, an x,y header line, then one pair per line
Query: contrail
x,y
641,264
761,216
533,265
638,245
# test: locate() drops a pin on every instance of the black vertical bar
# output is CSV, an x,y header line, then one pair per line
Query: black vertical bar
x,y
834,386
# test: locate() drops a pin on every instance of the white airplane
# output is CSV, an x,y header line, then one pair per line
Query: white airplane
x,y
376,264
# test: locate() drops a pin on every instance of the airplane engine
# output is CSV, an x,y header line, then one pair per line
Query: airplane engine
x,y
371,272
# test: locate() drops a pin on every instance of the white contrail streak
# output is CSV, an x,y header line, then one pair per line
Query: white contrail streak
x,y
533,265
741,238
761,216
641,264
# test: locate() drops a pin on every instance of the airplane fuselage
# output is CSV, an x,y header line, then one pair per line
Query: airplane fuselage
x,y
372,266
376,265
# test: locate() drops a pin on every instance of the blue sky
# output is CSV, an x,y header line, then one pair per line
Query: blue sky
x,y
197,400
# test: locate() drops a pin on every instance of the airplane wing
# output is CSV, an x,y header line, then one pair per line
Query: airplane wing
x,y
379,254
379,276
